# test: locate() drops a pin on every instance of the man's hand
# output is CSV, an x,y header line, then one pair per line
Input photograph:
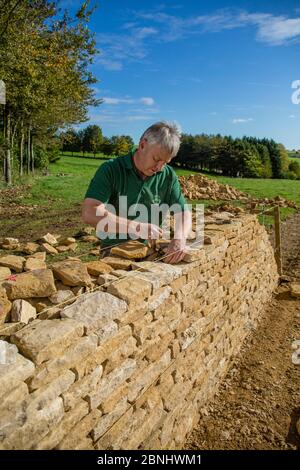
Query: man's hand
x,y
175,251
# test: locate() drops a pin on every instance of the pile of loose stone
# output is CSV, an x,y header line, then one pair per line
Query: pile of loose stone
x,y
31,285
200,187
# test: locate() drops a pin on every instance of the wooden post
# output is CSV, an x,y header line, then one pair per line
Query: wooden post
x,y
278,255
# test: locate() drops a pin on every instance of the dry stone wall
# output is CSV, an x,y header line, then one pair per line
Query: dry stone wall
x,y
130,365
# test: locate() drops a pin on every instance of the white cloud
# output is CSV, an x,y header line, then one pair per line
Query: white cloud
x,y
117,100
292,116
238,120
271,29
147,101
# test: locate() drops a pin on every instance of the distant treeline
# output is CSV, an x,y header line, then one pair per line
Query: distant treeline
x,y
91,140
248,157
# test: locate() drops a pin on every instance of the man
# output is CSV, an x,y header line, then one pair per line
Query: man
x,y
145,178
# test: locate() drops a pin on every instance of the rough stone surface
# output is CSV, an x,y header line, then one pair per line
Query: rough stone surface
x,y
34,263
13,262
117,263
48,249
43,339
132,249
30,248
38,283
4,273
132,290
71,273
62,296
94,310
97,267
22,311
48,238
295,290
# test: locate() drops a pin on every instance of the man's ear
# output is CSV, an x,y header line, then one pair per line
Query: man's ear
x,y
142,144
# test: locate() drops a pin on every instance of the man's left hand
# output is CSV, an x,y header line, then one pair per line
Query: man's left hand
x,y
175,251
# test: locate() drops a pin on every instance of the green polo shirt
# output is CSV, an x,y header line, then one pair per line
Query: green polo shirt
x,y
118,177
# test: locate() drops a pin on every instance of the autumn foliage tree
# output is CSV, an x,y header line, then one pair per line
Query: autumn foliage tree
x,y
44,62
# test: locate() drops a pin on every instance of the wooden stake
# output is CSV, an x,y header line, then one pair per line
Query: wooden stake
x,y
278,256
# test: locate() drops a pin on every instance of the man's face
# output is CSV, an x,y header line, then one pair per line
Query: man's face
x,y
153,157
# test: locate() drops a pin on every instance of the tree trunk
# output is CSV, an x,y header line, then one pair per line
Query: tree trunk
x,y
7,138
21,150
31,155
28,149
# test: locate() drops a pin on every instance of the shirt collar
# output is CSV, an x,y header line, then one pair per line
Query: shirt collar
x,y
127,159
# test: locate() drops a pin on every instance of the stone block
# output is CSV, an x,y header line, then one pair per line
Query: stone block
x,y
46,339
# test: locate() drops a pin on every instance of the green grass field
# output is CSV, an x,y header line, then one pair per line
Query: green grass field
x,y
58,196
63,190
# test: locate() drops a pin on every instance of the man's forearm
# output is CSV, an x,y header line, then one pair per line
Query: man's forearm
x,y
113,223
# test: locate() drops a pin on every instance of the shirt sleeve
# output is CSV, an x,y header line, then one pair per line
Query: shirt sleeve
x,y
176,196
101,186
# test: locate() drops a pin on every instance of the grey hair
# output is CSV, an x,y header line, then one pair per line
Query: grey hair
x,y
166,134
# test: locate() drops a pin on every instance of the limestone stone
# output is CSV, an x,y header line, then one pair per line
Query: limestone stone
x,y
75,437
34,263
70,419
105,279
43,340
75,353
159,296
118,273
8,329
145,378
22,311
97,267
48,238
62,248
62,296
106,421
82,388
106,331
30,248
132,290
90,239
110,439
194,254
13,262
4,273
71,273
10,243
117,263
95,309
12,398
14,369
132,249
5,307
35,426
39,255
48,249
159,274
295,289
37,283
111,382
67,241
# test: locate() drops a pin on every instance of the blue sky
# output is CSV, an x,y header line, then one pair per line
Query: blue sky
x,y
211,66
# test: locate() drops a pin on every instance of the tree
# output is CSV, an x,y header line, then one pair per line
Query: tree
x,y
92,139
44,58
